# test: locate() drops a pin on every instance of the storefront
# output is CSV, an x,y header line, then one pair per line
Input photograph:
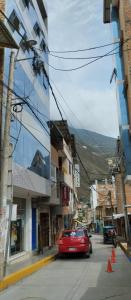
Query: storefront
x,y
17,231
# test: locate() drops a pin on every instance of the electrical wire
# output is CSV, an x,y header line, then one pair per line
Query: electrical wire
x,y
84,65
63,121
89,57
91,173
86,49
25,102
65,102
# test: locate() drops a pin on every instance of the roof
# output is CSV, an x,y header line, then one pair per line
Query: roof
x,y
6,39
56,135
63,127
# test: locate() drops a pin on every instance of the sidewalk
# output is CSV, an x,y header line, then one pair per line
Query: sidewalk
x,y
127,251
26,266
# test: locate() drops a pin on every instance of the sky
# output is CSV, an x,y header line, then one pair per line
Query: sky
x,y
86,97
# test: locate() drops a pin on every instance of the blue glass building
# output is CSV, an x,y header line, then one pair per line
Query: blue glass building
x,y
29,133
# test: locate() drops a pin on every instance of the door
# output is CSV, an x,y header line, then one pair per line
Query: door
x,y
34,229
44,229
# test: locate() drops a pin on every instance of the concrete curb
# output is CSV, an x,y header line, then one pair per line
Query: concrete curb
x,y
24,272
127,252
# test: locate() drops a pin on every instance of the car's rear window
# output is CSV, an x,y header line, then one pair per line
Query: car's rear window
x,y
73,234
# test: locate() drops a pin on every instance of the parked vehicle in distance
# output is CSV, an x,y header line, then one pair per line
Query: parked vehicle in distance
x,y
109,235
75,241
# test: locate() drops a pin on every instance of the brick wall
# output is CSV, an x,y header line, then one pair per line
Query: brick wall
x,y
119,195
125,25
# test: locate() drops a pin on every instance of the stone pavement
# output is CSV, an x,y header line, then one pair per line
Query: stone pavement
x,y
25,267
26,261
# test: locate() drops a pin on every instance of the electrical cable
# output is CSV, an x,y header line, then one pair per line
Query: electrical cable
x,y
83,66
63,121
92,61
92,173
65,102
89,57
86,49
25,102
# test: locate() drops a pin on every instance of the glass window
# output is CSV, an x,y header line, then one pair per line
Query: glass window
x,y
14,21
73,233
37,29
17,228
29,152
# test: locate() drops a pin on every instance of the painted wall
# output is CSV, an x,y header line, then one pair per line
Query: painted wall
x,y
121,95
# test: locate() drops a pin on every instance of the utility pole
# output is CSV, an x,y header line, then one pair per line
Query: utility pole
x,y
110,200
4,218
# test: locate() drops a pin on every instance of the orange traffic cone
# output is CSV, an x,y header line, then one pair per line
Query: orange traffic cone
x,y
109,266
113,256
113,253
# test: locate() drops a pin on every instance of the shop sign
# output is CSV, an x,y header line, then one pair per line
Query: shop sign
x,y
14,212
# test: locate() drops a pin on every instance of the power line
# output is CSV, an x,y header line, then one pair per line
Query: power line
x,y
91,173
82,66
25,102
76,151
85,49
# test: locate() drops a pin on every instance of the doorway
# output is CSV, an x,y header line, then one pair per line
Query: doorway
x,y
44,230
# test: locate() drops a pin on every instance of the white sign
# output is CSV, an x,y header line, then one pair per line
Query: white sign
x,y
14,212
77,175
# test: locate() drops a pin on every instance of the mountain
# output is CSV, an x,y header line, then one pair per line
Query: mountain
x,y
94,150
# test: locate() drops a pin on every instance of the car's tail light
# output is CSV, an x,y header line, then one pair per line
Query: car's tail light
x,y
82,241
60,242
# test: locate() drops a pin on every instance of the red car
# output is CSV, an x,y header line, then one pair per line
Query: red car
x,y
75,241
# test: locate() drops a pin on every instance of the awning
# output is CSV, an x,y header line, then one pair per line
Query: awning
x,y
6,39
118,216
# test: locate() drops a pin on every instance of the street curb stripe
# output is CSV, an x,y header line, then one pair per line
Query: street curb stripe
x,y
24,272
128,254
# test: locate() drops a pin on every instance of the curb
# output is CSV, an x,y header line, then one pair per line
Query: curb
x,y
24,272
127,252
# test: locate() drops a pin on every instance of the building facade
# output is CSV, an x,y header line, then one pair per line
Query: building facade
x,y
118,13
106,204
64,190
29,133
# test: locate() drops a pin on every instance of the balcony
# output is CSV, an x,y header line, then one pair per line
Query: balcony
x,y
54,199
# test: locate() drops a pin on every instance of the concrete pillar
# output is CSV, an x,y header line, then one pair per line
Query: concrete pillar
x,y
28,227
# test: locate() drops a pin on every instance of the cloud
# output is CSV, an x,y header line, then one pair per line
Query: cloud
x,y
74,25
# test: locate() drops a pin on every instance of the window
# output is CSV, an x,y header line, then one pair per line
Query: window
x,y
42,11
26,3
53,173
14,21
43,45
70,167
23,44
37,29
73,233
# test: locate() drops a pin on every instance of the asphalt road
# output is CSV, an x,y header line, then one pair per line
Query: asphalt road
x,y
77,279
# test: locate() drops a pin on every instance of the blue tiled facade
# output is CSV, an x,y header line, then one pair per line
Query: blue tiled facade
x,y
30,151
121,95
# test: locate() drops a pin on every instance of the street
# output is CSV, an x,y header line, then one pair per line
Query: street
x,y
77,278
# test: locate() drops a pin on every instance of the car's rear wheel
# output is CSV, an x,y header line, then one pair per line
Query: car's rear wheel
x,y
91,250
87,255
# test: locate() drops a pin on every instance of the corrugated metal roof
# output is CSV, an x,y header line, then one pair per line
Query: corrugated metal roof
x,y
6,40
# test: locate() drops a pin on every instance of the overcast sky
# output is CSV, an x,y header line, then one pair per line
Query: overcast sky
x,y
90,100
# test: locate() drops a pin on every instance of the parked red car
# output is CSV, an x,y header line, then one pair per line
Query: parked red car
x,y
75,241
